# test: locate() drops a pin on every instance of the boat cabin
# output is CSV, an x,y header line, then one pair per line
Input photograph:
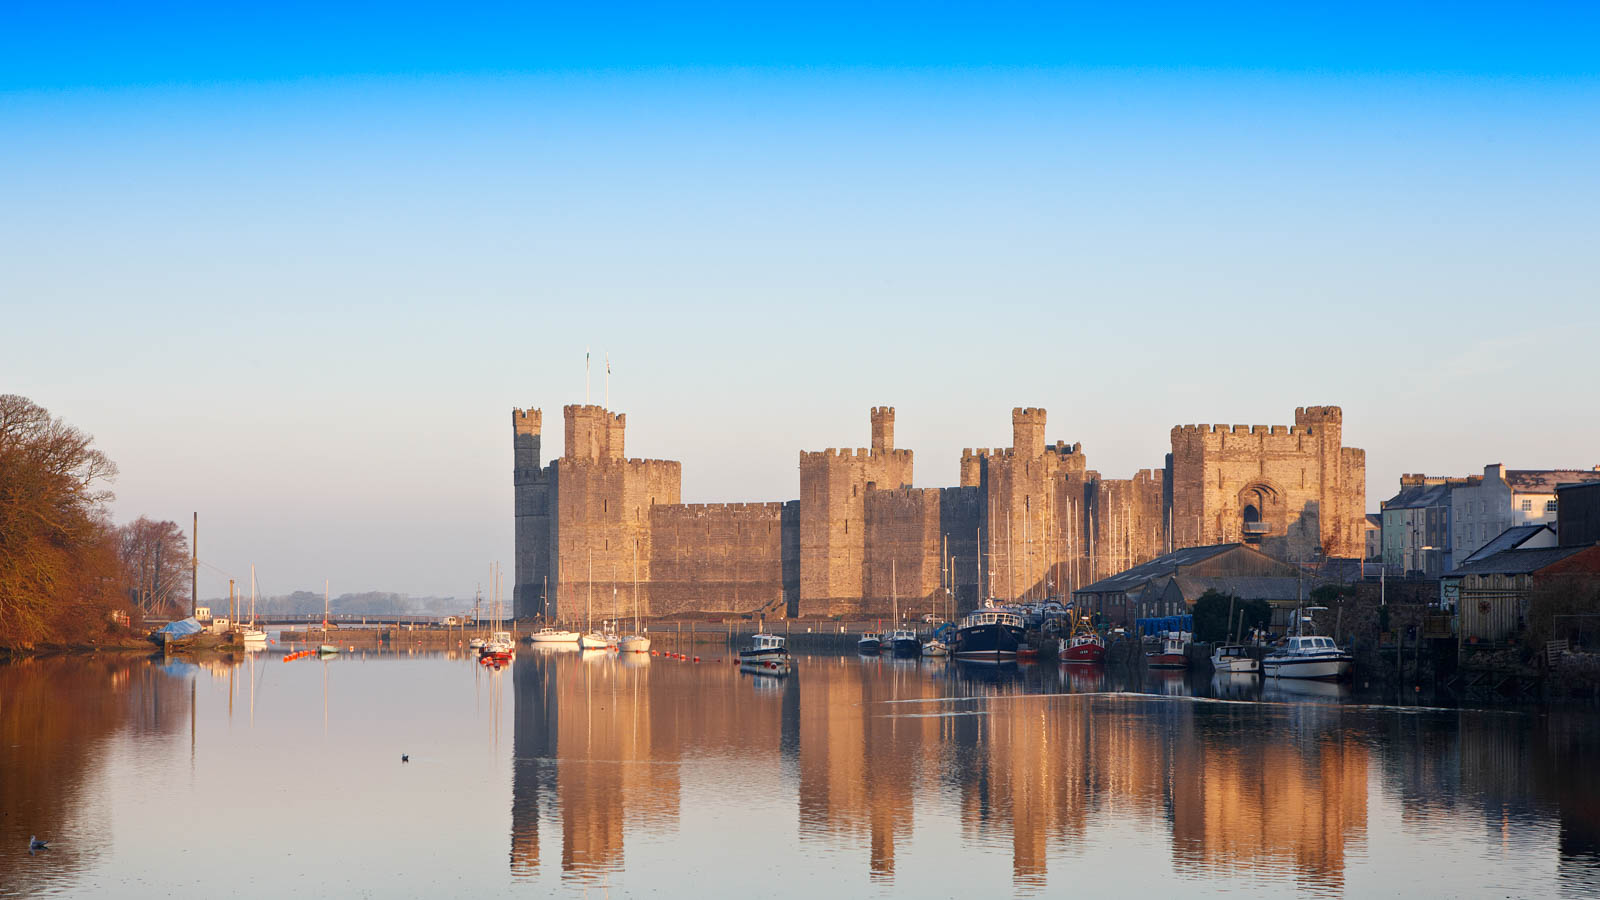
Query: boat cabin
x,y
1232,651
767,642
1312,645
992,617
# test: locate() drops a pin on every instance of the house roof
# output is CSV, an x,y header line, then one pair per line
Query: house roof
x,y
1516,562
1510,539
1420,496
1246,587
1155,568
1544,481
1374,520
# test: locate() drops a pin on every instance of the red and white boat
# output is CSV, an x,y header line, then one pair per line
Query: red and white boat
x,y
1171,655
1084,646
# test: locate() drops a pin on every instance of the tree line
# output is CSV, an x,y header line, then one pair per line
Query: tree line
x,y
68,574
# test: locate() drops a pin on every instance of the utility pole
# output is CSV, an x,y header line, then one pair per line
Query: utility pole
x,y
194,566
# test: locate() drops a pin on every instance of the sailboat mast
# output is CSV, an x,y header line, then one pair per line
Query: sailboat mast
x,y
635,587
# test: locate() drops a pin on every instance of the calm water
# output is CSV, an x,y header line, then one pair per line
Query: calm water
x,y
598,775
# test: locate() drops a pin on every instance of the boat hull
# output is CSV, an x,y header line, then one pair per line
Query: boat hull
x,y
1237,665
555,637
1324,669
906,647
634,645
990,640
772,668
592,642
869,646
1166,660
1083,654
935,648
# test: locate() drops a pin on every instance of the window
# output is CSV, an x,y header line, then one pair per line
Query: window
x,y
1527,506
1549,506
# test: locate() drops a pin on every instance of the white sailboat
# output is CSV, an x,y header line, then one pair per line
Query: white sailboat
x,y
591,640
251,635
326,648
636,642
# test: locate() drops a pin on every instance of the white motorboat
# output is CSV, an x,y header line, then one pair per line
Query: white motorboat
x,y
548,635
476,643
1234,658
1308,656
935,647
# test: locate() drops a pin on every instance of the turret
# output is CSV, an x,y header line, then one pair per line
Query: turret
x,y
593,434
1027,432
882,428
525,428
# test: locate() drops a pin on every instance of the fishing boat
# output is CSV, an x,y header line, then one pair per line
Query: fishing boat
x,y
869,642
1234,658
904,642
935,647
768,654
989,634
1083,646
1170,654
901,641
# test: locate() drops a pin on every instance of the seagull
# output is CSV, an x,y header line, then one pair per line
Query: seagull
x,y
405,757
35,844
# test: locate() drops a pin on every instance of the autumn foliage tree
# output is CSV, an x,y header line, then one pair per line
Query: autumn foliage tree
x,y
59,572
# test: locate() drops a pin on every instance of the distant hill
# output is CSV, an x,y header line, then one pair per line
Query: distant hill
x,y
368,603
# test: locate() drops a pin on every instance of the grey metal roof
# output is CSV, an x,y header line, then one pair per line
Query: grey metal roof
x,y
1247,587
1516,562
1137,576
1544,481
1420,496
1510,539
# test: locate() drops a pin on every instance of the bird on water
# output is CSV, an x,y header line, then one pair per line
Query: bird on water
x,y
405,757
35,844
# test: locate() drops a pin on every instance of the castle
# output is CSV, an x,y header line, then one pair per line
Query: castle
x,y
1030,520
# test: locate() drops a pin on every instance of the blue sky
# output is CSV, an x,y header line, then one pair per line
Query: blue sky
x,y
293,264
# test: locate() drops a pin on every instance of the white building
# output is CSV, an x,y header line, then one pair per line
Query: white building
x,y
1504,499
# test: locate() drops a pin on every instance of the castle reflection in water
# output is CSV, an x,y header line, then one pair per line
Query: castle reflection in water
x,y
865,747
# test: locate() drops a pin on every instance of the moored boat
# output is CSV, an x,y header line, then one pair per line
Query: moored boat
x,y
768,654
1171,653
549,635
989,634
1084,646
634,643
869,642
903,642
1308,656
1234,658
935,647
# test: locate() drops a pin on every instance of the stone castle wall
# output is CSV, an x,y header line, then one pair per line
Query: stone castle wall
x,y
1301,484
1037,520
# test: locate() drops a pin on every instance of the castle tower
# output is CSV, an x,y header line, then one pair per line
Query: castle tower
x,y
1027,432
531,499
882,428
833,511
593,434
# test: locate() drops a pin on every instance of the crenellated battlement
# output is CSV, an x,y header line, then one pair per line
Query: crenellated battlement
x,y
527,421
855,453
693,510
1267,430
1318,413
1062,448
1031,413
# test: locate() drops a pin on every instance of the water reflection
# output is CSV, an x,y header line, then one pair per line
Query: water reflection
x,y
57,716
1033,761
637,773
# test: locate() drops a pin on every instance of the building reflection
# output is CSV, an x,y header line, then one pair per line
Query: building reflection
x,y
873,750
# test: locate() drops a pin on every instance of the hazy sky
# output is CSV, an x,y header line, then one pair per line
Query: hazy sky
x,y
293,266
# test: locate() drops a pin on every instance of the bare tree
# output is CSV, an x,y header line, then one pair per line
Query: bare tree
x,y
154,557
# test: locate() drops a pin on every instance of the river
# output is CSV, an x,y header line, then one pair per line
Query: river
x,y
592,774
